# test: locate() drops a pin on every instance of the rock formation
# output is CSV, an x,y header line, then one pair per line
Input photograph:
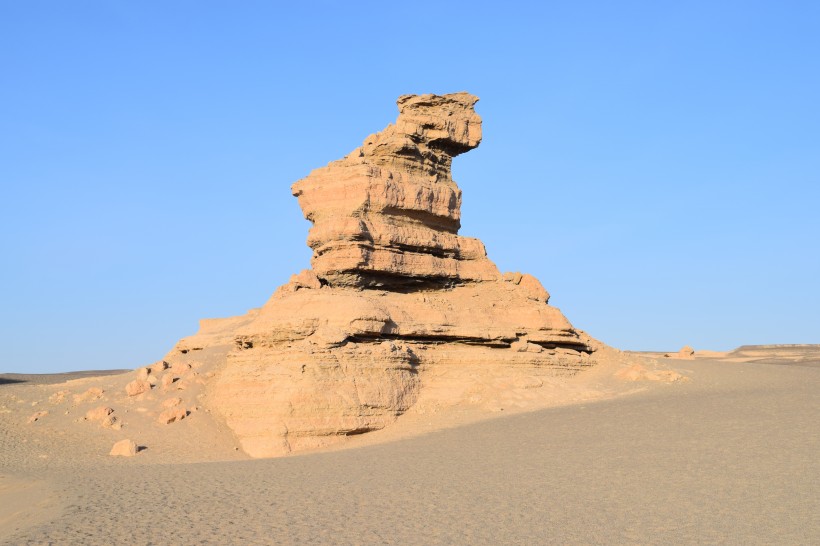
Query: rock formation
x,y
394,292
101,415
388,214
172,415
686,352
124,448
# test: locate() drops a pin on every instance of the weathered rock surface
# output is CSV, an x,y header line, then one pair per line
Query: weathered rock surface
x,y
394,293
167,380
94,393
171,402
172,415
388,214
138,386
686,352
101,415
157,367
124,448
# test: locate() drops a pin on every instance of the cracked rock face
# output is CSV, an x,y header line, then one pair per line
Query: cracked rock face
x,y
394,299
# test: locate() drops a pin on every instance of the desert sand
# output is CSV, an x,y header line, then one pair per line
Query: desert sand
x,y
728,455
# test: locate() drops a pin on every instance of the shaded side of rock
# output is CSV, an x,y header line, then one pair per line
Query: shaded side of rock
x,y
312,395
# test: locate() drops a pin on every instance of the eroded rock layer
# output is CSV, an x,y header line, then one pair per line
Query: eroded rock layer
x,y
388,214
394,294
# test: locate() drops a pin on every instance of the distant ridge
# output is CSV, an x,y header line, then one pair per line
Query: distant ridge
x,y
781,354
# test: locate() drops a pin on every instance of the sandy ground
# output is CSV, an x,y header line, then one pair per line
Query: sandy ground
x,y
728,457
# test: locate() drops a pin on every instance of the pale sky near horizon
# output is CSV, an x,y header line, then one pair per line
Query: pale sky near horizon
x,y
655,164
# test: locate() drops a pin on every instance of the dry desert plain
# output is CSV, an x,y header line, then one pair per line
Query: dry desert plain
x,y
724,453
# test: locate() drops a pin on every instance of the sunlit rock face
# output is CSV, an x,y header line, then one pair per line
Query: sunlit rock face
x,y
388,214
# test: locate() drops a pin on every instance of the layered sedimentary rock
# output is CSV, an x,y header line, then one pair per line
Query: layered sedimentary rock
x,y
394,292
389,213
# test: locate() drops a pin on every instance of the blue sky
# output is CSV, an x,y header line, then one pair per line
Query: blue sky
x,y
655,164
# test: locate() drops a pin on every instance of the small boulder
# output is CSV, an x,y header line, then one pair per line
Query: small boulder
x,y
94,393
305,279
98,415
512,276
157,367
110,421
533,288
686,352
124,448
170,415
138,386
168,380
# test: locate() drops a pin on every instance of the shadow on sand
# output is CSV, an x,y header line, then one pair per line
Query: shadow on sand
x,y
7,380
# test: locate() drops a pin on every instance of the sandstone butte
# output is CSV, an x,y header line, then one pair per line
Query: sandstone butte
x,y
394,293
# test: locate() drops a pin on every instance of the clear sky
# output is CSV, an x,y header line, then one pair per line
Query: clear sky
x,y
655,164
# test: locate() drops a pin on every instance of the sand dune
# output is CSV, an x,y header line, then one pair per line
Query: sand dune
x,y
729,456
